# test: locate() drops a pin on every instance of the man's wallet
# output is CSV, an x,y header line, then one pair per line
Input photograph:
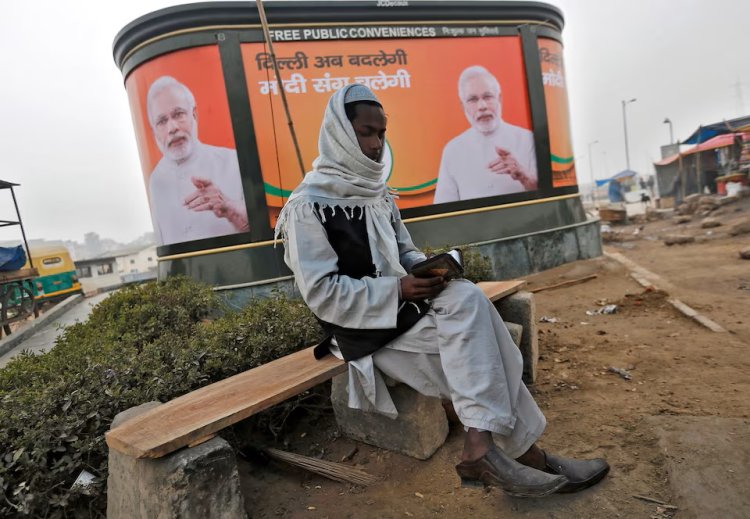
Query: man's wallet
x,y
446,265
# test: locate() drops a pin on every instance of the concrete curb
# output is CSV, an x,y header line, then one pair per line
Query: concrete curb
x,y
100,290
700,318
648,279
11,341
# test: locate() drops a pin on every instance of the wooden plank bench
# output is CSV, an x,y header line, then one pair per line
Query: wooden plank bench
x,y
198,415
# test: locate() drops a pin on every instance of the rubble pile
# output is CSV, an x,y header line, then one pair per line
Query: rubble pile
x,y
704,205
742,227
678,239
710,222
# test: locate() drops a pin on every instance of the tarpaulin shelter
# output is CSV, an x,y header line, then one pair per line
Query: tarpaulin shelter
x,y
694,169
615,192
705,133
625,173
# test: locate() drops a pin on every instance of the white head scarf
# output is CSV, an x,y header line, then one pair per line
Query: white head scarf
x,y
345,178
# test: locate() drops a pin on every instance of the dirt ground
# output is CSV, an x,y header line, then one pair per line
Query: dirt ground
x,y
679,370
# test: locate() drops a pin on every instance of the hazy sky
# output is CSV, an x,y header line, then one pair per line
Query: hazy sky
x,y
66,134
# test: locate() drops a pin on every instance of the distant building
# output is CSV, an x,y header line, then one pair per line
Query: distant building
x,y
115,268
135,260
98,273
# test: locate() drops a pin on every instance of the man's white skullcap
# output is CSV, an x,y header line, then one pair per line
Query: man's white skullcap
x,y
359,92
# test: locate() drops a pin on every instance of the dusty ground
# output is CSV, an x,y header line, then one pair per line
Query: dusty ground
x,y
679,370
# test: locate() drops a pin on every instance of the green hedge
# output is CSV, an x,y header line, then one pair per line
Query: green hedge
x,y
143,343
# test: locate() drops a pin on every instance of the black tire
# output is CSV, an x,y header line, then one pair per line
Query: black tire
x,y
26,303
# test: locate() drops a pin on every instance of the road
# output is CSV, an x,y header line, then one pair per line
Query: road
x,y
44,339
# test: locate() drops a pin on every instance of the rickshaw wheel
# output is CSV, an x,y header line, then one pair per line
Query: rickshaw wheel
x,y
26,304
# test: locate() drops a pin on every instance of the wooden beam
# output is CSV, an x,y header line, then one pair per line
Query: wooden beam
x,y
202,412
563,284
495,290
18,275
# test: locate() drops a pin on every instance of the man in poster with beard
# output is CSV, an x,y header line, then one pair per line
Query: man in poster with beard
x,y
195,190
490,158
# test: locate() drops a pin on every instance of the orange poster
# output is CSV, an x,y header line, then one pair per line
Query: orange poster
x,y
558,114
186,145
442,145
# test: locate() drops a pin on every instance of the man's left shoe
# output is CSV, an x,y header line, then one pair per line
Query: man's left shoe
x,y
580,473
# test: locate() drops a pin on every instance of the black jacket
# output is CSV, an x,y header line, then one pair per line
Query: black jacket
x,y
348,237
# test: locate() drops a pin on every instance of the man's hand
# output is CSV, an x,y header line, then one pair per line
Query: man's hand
x,y
506,164
208,197
418,289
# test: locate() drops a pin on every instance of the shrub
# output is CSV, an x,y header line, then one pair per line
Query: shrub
x,y
143,343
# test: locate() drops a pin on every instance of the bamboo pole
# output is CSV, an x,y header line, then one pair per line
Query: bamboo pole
x,y
682,181
267,36
698,172
564,284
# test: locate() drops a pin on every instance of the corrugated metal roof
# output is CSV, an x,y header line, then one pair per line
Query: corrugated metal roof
x,y
720,141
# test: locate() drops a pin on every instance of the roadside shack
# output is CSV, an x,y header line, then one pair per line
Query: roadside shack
x,y
718,162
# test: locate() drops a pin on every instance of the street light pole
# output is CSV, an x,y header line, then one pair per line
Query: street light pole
x,y
591,170
625,126
668,121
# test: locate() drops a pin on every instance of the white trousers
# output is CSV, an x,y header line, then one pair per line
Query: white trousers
x,y
462,351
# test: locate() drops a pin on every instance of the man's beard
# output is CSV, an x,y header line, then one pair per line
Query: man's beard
x,y
486,126
179,151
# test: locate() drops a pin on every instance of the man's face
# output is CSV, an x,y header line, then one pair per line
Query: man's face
x,y
482,103
174,124
369,126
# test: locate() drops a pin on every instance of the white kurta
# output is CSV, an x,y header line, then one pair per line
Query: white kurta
x,y
170,184
460,350
464,169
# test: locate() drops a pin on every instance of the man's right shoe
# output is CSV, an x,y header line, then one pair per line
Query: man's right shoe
x,y
498,470
580,473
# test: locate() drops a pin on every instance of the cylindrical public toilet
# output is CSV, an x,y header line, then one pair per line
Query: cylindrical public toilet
x,y
478,142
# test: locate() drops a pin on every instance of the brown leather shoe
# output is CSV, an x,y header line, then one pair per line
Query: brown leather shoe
x,y
497,469
580,473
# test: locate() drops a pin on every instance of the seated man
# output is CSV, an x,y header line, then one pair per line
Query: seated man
x,y
350,253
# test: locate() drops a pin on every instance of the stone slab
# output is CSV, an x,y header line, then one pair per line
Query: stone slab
x,y
200,482
708,459
521,309
516,332
420,429
677,239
